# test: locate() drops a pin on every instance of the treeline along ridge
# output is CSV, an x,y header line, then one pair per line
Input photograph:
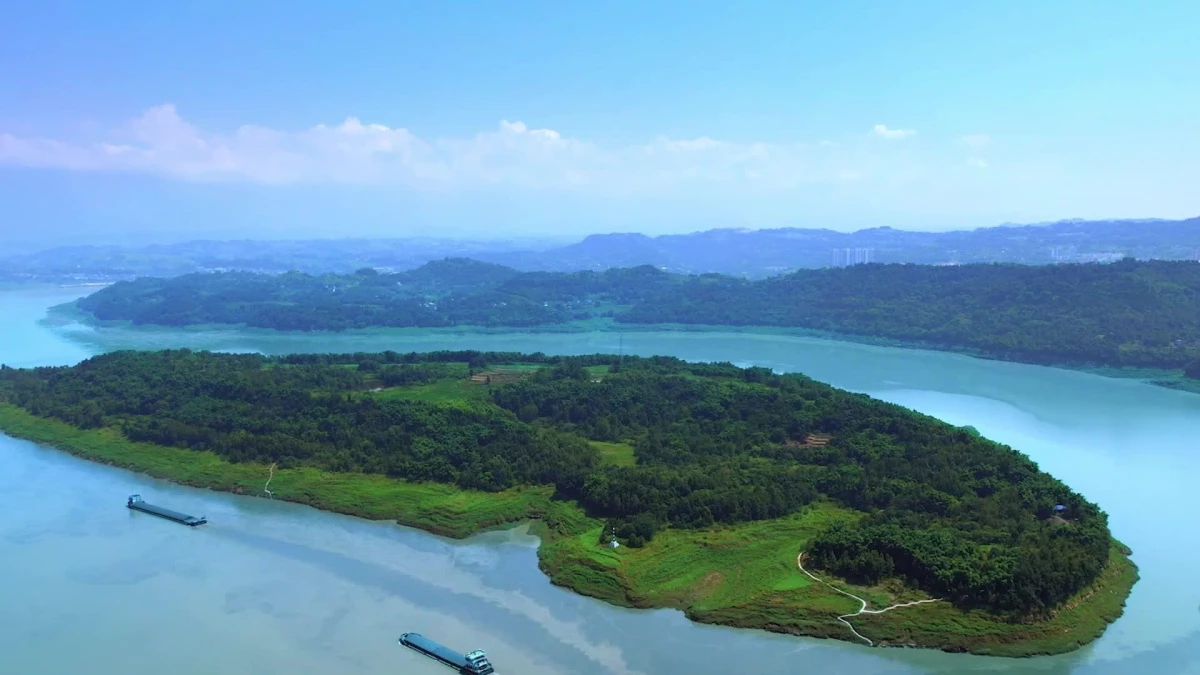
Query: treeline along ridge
x,y
1128,313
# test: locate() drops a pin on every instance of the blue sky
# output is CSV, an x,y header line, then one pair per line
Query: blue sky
x,y
122,121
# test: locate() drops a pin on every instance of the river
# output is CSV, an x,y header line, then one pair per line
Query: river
x,y
266,587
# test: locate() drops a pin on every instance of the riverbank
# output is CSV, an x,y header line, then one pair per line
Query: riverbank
x,y
1162,377
742,576
6,286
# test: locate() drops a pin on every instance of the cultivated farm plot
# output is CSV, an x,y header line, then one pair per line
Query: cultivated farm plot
x,y
506,373
461,391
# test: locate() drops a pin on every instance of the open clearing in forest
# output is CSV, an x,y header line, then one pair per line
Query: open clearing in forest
x,y
504,374
700,570
617,454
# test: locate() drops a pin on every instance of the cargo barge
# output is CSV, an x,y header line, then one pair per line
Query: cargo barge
x,y
471,663
135,502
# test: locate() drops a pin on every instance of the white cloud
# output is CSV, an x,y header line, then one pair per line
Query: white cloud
x,y
513,155
977,140
977,162
882,131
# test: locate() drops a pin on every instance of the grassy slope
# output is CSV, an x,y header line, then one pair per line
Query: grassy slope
x,y
1077,623
743,575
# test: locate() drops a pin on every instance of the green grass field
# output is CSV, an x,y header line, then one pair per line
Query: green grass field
x,y
518,367
743,575
705,569
619,454
443,392
598,372
460,390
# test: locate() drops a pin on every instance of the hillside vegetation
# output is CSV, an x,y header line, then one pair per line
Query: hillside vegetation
x,y
1124,314
915,501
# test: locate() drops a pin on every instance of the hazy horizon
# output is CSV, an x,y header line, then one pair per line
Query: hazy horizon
x,y
182,123
512,241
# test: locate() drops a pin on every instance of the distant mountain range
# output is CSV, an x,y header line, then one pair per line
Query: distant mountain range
x,y
747,253
762,253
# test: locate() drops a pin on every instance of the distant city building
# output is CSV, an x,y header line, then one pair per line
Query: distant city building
x,y
1070,254
843,257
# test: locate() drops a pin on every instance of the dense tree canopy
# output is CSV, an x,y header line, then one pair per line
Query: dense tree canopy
x,y
1192,369
1128,313
445,293
942,508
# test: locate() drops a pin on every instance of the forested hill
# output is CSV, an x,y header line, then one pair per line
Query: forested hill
x,y
448,292
646,443
1128,313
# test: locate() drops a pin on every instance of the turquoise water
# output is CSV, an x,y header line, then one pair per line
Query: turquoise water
x,y
87,587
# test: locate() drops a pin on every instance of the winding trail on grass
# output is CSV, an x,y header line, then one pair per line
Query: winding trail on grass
x,y
268,493
862,609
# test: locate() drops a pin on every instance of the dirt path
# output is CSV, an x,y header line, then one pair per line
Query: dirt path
x,y
268,493
863,608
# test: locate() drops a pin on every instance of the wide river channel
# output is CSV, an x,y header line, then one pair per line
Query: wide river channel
x,y
86,587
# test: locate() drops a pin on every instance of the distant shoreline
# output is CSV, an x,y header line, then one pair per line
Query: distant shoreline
x,y
11,286
1161,377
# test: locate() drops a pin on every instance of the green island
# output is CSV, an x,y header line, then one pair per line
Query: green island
x,y
718,482
1129,315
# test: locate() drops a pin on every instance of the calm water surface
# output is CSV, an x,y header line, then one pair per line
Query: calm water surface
x,y
88,587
